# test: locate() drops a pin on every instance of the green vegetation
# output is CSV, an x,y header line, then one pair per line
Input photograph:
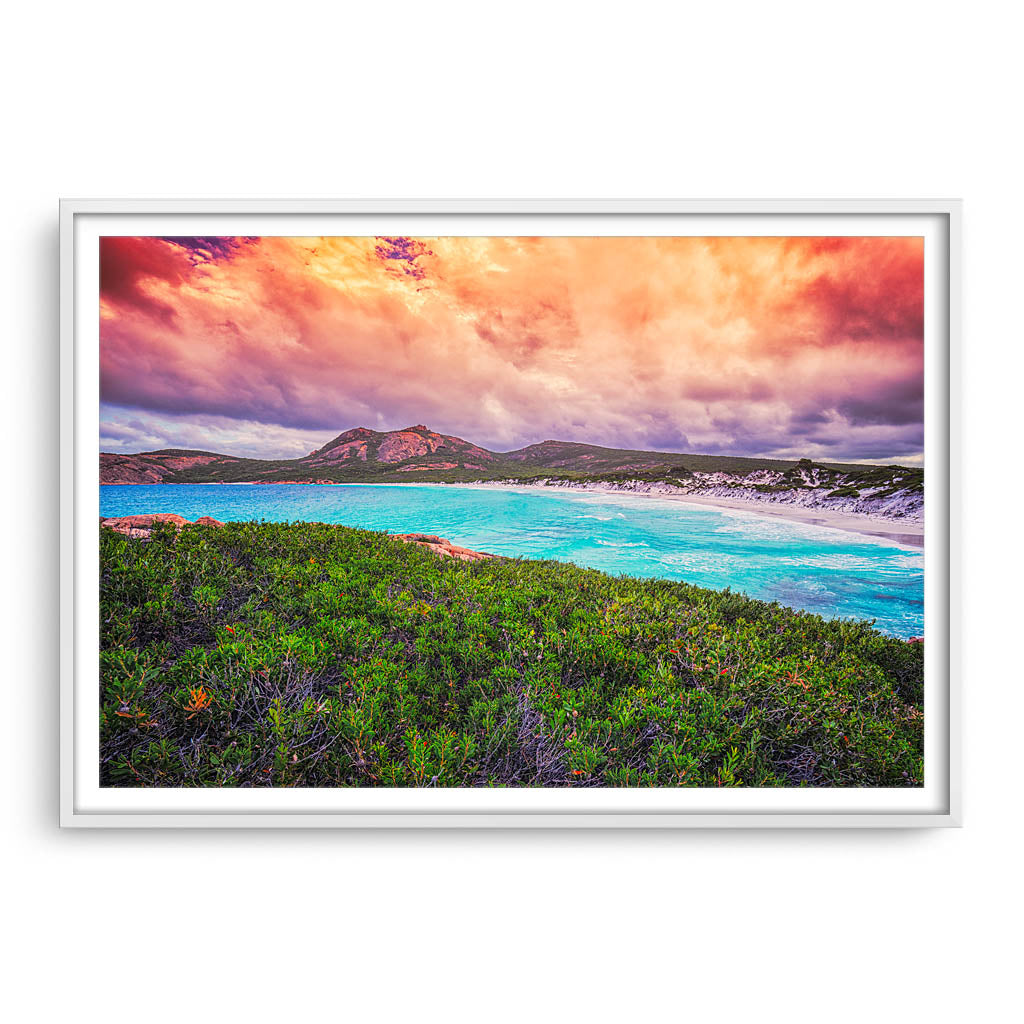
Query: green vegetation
x,y
314,655
675,473
892,479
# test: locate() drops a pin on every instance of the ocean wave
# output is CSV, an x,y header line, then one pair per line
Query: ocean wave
x,y
858,563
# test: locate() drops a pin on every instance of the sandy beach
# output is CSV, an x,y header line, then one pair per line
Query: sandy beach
x,y
909,534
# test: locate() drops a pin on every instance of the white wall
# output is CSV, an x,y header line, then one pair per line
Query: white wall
x,y
525,100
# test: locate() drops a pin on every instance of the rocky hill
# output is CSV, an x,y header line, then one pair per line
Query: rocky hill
x,y
157,467
413,448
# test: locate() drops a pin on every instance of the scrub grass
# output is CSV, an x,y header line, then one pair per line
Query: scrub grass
x,y
262,654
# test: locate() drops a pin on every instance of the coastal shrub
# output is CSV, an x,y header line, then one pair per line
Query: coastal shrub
x,y
261,654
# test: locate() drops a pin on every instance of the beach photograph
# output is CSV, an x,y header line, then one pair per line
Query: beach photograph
x,y
513,489
559,512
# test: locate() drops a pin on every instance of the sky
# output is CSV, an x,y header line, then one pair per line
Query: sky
x,y
269,347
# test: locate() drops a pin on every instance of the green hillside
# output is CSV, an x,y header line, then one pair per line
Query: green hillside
x,y
315,655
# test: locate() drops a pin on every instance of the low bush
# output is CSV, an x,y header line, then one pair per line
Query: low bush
x,y
265,654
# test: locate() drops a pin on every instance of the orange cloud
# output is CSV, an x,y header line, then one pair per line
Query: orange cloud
x,y
747,345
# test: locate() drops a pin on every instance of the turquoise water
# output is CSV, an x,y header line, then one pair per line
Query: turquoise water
x,y
829,572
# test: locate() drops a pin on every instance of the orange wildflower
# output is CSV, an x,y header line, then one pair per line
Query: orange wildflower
x,y
200,700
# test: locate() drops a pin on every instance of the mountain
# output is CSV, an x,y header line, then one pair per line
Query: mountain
x,y
362,455
415,447
592,458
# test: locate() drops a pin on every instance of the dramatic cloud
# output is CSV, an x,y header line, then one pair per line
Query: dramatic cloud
x,y
770,346
128,431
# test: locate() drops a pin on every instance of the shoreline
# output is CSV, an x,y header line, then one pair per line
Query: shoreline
x,y
902,534
908,535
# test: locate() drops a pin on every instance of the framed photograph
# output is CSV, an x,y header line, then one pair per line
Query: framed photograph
x,y
509,514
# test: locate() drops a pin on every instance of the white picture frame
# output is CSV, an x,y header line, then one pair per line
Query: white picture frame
x,y
84,804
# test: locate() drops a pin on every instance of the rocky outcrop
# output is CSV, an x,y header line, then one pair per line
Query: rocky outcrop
x,y
141,526
350,445
400,445
427,468
129,469
154,467
443,548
